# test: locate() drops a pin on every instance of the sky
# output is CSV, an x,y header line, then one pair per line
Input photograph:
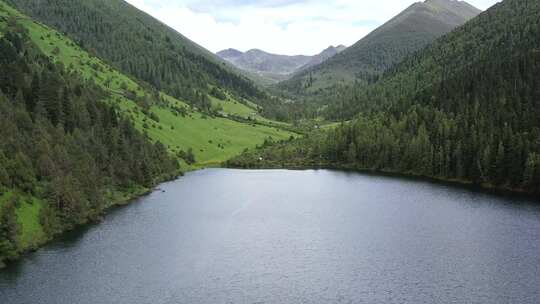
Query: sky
x,y
289,27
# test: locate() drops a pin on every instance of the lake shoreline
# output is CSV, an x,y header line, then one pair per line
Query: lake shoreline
x,y
486,188
131,197
124,201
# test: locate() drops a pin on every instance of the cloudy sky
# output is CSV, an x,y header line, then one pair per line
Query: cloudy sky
x,y
279,26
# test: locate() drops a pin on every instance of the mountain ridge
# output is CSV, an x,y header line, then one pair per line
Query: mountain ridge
x,y
275,67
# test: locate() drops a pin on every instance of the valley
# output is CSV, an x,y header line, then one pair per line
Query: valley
x,y
269,68
103,105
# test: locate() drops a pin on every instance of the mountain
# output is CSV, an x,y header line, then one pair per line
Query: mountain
x,y
463,109
328,53
274,67
141,46
230,54
411,30
265,64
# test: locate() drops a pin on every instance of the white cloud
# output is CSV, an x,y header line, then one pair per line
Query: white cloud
x,y
277,26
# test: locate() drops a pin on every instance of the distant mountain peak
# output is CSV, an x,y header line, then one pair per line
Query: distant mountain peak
x,y
274,67
229,53
460,8
339,48
257,52
445,2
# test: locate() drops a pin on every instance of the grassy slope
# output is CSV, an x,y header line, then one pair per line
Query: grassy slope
x,y
28,215
151,44
234,107
245,109
196,131
202,133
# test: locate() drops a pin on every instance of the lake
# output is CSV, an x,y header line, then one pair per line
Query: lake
x,y
278,236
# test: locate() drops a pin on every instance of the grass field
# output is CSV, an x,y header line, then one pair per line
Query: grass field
x,y
332,125
213,139
28,215
247,110
234,107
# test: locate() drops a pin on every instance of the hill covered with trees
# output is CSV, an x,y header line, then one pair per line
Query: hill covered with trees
x,y
466,108
65,154
145,48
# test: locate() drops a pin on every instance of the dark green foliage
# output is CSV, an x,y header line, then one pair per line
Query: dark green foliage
x,y
466,108
217,93
4,177
21,172
9,230
188,157
63,145
532,171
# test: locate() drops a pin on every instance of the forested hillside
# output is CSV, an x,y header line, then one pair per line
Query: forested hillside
x,y
466,108
143,47
65,155
411,30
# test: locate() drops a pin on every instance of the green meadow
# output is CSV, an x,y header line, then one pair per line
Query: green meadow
x,y
213,139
